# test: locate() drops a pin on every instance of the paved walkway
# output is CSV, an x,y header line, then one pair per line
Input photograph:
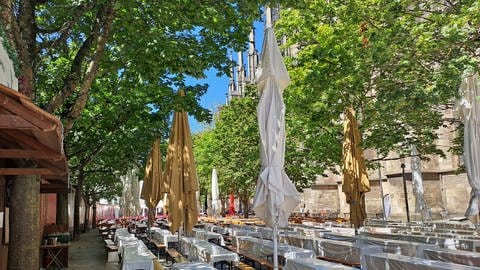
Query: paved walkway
x,y
89,253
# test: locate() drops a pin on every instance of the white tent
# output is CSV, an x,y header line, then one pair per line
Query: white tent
x,y
275,197
470,112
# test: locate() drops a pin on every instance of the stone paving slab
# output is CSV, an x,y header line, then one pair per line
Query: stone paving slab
x,y
89,253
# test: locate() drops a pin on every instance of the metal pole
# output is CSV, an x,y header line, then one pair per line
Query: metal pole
x,y
275,246
405,190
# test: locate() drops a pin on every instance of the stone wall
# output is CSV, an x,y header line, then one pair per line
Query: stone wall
x,y
444,190
456,193
450,192
316,200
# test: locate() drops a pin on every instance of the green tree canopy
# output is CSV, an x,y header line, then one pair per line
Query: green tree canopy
x,y
397,63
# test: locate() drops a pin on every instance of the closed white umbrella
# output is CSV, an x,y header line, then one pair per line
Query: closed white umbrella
x,y
470,111
417,182
216,203
275,197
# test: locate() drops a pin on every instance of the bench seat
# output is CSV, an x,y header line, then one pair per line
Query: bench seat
x,y
175,256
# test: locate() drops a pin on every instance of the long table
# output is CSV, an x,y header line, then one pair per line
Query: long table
x,y
399,262
314,264
204,251
264,248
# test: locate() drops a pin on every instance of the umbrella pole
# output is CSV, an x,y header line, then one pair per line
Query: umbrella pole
x,y
275,245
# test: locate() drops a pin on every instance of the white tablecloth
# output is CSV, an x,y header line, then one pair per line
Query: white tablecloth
x,y
314,264
192,266
399,262
137,257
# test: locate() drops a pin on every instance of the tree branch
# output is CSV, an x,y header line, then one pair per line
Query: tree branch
x,y
72,80
65,29
92,70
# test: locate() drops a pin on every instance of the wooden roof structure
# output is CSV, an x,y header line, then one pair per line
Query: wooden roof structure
x,y
29,133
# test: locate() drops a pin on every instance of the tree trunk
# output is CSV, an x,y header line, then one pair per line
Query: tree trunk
x,y
94,215
245,201
24,252
223,201
85,216
62,209
78,199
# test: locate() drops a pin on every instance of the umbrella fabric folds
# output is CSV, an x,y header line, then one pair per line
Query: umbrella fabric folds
x,y
275,197
470,112
355,178
216,203
417,182
153,189
181,176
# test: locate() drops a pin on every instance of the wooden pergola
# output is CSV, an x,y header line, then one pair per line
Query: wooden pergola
x,y
31,134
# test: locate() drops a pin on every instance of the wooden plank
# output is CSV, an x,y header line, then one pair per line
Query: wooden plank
x,y
24,139
244,266
256,259
28,154
57,165
53,189
109,242
176,256
18,108
25,171
14,122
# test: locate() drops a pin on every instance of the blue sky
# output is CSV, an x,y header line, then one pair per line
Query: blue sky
x,y
218,86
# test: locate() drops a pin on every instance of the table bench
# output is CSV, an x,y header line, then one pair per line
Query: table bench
x,y
161,248
175,256
351,264
248,257
112,251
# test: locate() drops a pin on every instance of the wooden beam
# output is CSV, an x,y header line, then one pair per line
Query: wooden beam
x,y
22,138
54,166
25,171
14,122
45,188
18,108
28,154
6,142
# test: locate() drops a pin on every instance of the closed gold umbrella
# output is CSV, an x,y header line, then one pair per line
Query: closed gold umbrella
x,y
153,186
355,178
181,176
